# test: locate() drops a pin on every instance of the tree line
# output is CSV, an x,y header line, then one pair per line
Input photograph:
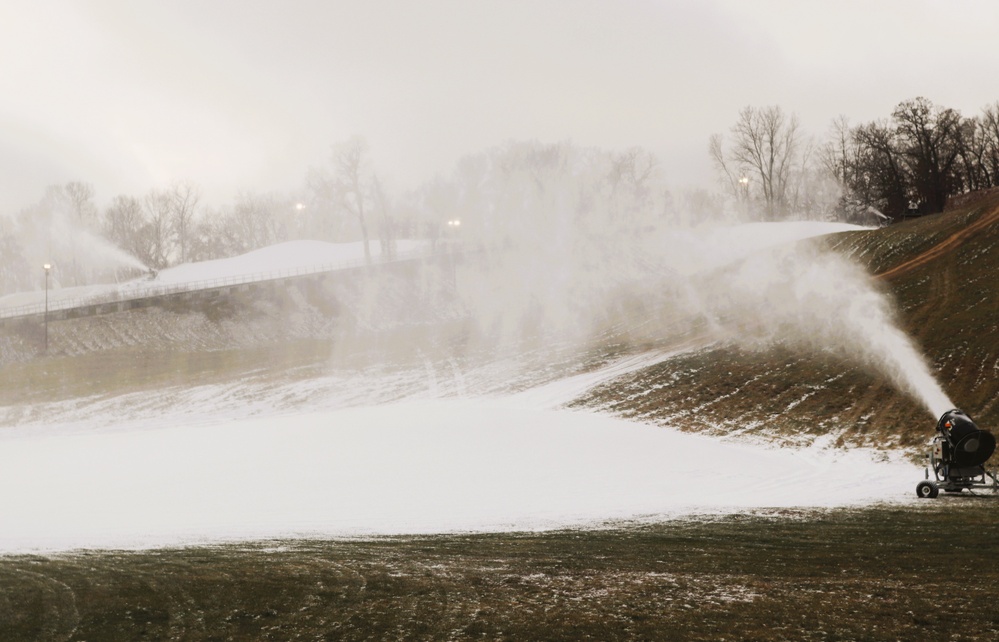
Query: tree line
x,y
907,164
521,193
341,201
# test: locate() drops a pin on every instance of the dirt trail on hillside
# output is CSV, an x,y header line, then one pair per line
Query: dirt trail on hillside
x,y
947,245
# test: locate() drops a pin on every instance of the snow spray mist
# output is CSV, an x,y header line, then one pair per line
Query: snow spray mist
x,y
800,295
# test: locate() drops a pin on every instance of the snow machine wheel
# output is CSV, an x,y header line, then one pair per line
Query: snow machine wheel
x,y
927,490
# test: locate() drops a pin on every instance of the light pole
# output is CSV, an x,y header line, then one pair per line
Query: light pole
x,y
744,184
47,266
453,224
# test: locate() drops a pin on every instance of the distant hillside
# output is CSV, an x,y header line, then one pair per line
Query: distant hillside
x,y
306,323
941,270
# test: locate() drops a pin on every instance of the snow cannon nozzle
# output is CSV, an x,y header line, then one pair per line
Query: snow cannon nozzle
x,y
953,418
969,445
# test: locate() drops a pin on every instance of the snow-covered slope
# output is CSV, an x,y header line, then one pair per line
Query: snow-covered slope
x,y
389,452
425,465
282,259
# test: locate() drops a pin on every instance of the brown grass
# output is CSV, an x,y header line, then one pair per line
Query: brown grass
x,y
918,573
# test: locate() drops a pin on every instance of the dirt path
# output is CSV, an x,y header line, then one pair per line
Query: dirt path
x,y
947,245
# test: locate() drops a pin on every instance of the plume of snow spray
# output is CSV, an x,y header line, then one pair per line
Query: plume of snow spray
x,y
802,296
50,233
68,238
575,246
753,284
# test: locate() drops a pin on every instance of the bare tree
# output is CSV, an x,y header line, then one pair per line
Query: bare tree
x,y
840,159
632,171
15,271
125,226
717,153
349,167
839,154
255,221
880,178
971,168
918,159
158,206
81,200
989,125
438,203
386,228
766,142
929,140
324,220
978,150
766,147
184,198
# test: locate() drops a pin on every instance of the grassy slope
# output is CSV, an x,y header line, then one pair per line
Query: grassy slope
x,y
948,304
878,574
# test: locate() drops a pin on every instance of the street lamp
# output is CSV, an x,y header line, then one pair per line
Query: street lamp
x,y
48,267
452,224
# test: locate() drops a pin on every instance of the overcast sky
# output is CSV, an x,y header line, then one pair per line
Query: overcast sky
x,y
248,94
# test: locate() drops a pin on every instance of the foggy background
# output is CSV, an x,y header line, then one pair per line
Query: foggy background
x,y
581,176
132,96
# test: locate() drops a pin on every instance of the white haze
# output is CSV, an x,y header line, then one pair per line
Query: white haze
x,y
50,233
804,297
749,284
196,464
577,246
550,254
232,95
562,253
80,245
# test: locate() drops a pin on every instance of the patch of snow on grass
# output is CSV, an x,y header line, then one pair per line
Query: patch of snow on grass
x,y
414,467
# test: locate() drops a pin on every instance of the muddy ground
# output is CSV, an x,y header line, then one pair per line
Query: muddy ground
x,y
921,572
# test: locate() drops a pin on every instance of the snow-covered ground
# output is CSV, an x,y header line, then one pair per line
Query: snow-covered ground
x,y
212,463
282,259
425,465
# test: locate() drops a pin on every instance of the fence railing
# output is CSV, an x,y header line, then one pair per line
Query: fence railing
x,y
139,291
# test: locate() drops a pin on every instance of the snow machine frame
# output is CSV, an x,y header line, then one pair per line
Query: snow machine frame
x,y
957,457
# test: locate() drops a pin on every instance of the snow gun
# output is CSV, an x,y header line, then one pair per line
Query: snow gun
x,y
957,458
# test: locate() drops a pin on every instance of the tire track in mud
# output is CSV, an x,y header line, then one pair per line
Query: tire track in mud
x,y
946,246
51,602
